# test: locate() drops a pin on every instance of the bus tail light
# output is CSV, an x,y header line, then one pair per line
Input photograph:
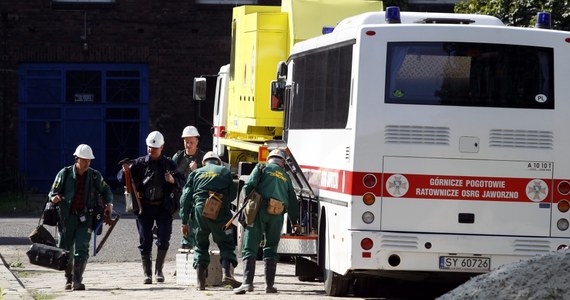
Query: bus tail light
x,y
564,187
369,181
368,217
368,198
562,224
563,206
366,243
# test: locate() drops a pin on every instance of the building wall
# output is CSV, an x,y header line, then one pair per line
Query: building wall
x,y
178,40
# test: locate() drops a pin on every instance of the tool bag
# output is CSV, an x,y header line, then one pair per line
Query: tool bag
x,y
252,204
253,200
40,234
275,207
48,256
212,205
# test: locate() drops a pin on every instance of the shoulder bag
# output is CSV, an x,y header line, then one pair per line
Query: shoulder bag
x,y
50,214
252,201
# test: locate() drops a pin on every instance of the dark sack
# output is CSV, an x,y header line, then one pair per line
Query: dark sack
x,y
172,200
50,215
42,236
48,256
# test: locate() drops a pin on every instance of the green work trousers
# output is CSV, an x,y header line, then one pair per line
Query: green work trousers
x,y
75,237
267,224
223,238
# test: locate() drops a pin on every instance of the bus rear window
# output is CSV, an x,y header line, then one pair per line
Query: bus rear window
x,y
470,74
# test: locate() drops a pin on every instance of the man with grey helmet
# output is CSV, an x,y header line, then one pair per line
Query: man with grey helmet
x,y
76,191
279,197
188,160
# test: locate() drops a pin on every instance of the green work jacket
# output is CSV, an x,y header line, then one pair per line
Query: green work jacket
x,y
210,177
274,183
95,187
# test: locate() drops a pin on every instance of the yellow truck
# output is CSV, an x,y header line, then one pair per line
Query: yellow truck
x,y
262,36
244,126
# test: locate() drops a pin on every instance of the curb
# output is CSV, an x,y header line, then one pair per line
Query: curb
x,y
11,287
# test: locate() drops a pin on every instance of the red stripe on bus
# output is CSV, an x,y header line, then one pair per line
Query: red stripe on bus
x,y
440,187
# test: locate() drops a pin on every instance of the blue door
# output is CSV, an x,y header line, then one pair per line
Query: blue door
x,y
64,105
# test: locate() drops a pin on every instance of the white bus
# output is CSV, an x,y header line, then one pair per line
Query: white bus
x,y
437,146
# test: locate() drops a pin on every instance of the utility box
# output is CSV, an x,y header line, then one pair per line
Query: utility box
x,y
186,274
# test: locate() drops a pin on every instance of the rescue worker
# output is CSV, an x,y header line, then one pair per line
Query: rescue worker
x,y
155,177
77,192
279,197
188,160
208,182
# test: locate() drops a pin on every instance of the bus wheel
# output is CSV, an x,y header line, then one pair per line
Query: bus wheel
x,y
336,285
365,286
306,278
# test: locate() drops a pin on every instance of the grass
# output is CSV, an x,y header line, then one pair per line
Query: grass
x,y
22,274
16,264
41,296
17,203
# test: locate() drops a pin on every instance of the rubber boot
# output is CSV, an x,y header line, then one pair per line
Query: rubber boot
x,y
78,269
158,266
69,276
227,278
202,274
147,269
248,274
270,269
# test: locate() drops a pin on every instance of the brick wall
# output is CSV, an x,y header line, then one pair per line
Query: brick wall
x,y
178,40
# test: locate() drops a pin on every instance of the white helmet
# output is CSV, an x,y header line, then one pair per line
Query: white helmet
x,y
276,153
213,156
155,139
83,151
190,131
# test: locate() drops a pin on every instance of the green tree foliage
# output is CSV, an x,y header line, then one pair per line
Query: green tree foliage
x,y
402,4
520,13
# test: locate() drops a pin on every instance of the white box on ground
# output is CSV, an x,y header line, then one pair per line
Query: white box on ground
x,y
186,275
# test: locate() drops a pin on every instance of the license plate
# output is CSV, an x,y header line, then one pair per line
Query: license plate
x,y
463,263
